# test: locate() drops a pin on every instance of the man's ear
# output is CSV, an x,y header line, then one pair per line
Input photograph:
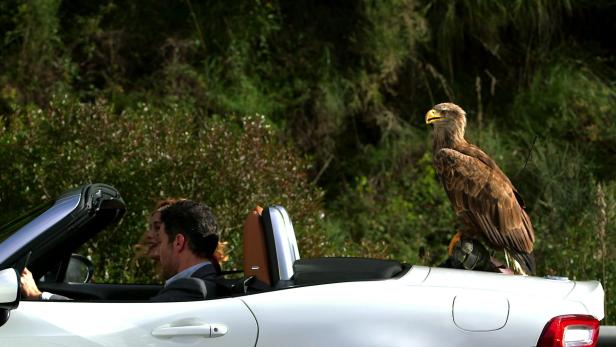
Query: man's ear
x,y
179,242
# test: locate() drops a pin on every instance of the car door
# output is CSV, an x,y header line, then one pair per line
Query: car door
x,y
212,323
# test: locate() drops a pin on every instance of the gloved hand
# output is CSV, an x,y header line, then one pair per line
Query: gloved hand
x,y
470,254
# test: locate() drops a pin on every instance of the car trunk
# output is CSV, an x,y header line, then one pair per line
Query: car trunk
x,y
588,293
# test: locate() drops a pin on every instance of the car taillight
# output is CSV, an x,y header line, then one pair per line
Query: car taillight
x,y
570,331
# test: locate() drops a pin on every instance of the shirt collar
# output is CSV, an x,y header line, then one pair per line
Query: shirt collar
x,y
187,272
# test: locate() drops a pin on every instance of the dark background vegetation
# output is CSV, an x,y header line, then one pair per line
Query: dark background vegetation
x,y
318,106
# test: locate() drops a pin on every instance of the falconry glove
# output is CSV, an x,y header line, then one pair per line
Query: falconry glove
x,y
471,255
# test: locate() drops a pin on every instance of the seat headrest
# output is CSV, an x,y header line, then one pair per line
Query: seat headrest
x,y
255,250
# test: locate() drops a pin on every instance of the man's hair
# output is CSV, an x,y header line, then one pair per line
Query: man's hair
x,y
196,222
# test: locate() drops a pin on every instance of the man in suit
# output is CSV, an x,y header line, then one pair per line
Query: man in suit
x,y
189,237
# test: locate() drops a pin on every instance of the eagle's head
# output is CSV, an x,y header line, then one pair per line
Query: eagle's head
x,y
445,114
447,118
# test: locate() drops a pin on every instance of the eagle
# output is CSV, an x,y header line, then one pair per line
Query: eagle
x,y
487,205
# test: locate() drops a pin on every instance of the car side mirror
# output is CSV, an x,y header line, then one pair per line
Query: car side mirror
x,y
80,269
9,293
9,289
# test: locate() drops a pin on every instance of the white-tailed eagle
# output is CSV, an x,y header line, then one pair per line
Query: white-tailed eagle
x,y
487,205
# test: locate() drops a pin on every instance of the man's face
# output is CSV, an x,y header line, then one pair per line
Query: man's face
x,y
168,259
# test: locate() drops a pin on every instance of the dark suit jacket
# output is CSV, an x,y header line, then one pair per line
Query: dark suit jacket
x,y
200,286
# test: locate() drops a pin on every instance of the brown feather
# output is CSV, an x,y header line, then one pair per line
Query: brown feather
x,y
486,197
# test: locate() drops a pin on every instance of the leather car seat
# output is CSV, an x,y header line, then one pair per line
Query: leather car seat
x,y
255,250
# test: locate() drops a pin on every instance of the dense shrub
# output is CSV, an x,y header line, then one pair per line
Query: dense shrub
x,y
151,153
571,104
400,209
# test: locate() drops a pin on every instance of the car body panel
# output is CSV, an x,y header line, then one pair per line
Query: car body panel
x,y
441,277
84,324
480,311
396,312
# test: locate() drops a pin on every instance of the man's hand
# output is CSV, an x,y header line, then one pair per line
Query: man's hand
x,y
28,286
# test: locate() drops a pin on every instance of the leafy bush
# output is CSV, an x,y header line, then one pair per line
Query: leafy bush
x,y
399,210
231,164
568,102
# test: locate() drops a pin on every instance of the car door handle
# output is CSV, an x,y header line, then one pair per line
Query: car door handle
x,y
203,330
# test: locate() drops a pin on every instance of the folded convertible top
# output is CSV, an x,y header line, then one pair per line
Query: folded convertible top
x,y
343,269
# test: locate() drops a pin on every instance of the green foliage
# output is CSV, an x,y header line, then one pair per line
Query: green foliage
x,y
344,86
505,31
37,64
572,104
399,211
152,153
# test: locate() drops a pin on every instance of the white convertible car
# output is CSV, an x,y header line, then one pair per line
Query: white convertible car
x,y
281,300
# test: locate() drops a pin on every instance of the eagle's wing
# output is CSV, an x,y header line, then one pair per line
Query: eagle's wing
x,y
476,152
485,197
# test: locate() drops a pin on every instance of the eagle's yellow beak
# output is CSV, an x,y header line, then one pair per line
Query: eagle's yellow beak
x,y
432,116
